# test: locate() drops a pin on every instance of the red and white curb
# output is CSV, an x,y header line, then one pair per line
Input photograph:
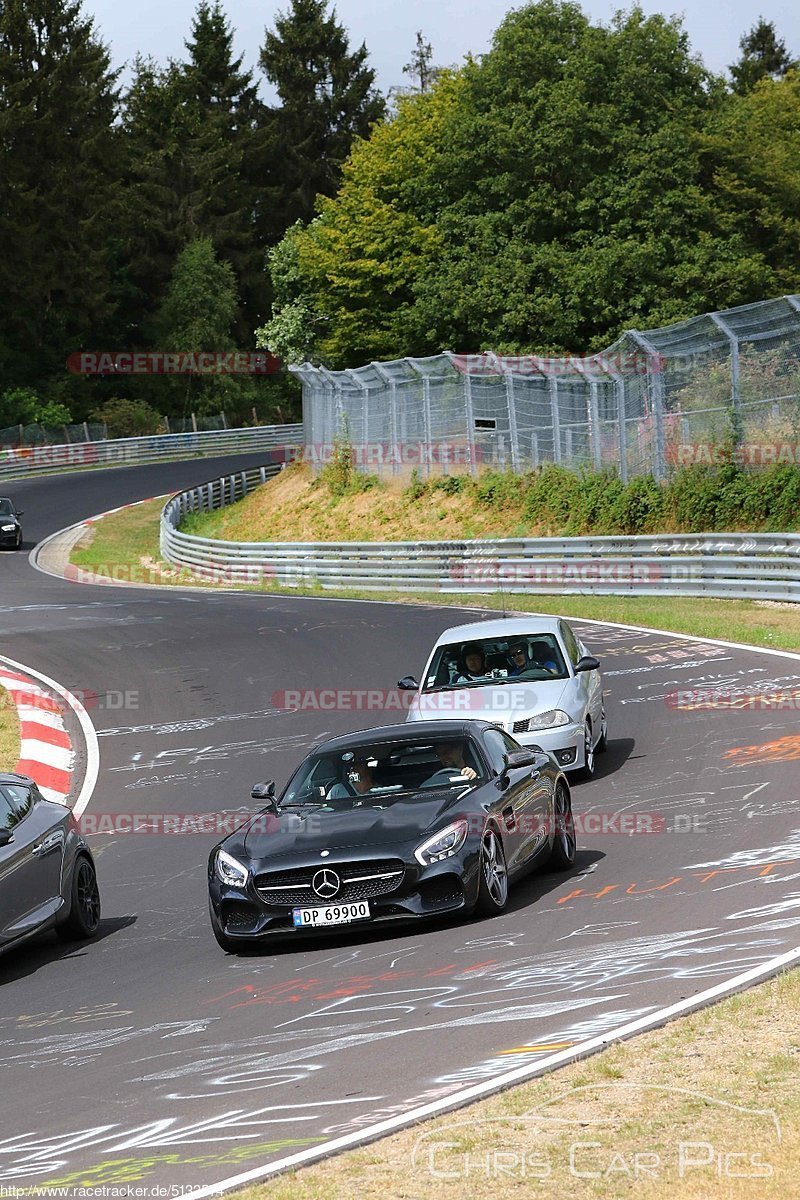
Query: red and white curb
x,y
47,754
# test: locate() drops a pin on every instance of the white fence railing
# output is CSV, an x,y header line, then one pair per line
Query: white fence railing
x,y
756,566
27,460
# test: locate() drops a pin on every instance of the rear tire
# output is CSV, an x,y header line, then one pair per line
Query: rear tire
x,y
84,913
493,885
562,856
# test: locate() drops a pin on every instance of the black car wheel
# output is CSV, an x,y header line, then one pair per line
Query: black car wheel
x,y
587,770
602,741
562,856
493,886
84,913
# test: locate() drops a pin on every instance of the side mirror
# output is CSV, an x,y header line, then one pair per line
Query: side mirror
x,y
527,757
408,684
6,836
20,512
587,663
264,791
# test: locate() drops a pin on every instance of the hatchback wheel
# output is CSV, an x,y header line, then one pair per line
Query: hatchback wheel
x,y
587,770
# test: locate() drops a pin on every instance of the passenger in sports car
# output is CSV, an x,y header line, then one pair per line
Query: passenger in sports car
x,y
472,664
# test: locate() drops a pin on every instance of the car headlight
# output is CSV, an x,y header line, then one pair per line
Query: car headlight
x,y
8,528
230,870
443,844
551,719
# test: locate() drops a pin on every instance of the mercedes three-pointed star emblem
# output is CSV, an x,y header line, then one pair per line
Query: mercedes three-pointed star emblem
x,y
326,883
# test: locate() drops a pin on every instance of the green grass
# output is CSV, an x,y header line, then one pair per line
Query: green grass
x,y
9,732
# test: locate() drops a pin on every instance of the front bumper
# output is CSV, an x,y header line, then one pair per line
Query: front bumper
x,y
565,743
10,539
423,893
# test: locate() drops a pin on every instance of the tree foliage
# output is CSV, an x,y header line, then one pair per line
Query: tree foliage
x,y
764,56
59,166
573,182
327,100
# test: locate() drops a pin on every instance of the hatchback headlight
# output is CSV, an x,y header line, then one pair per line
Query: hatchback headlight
x,y
230,870
443,844
551,719
8,528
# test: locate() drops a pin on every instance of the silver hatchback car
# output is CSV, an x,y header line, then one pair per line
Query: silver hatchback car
x,y
531,676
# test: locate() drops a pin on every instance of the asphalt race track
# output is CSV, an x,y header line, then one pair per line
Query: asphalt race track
x,y
149,1056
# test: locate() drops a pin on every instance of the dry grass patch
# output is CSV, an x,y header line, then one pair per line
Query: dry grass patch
x,y
707,1107
294,507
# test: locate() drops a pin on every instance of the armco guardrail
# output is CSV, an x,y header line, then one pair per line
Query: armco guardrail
x,y
754,566
27,460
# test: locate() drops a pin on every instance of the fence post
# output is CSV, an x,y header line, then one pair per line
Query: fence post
x,y
733,342
511,401
592,415
194,423
86,430
555,416
655,379
387,378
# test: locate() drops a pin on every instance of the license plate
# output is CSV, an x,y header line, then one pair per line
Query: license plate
x,y
330,914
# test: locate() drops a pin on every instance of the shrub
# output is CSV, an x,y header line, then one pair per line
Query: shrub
x,y
128,418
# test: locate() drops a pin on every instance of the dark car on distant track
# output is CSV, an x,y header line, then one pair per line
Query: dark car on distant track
x,y
47,873
10,524
398,823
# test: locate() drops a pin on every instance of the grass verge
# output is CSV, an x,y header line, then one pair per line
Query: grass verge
x,y
9,732
124,546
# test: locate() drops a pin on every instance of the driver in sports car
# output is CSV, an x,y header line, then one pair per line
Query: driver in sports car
x,y
451,756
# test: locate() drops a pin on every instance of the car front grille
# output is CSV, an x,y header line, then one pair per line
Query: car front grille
x,y
359,881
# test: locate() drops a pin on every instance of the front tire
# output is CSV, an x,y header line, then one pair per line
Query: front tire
x,y
588,768
602,741
562,856
493,876
84,913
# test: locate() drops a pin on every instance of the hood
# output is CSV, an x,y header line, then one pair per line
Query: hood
x,y
294,833
489,702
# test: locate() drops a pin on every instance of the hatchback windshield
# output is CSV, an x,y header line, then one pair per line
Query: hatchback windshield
x,y
373,773
529,656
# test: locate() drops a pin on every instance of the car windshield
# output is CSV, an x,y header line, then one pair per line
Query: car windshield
x,y
373,774
6,508
528,656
